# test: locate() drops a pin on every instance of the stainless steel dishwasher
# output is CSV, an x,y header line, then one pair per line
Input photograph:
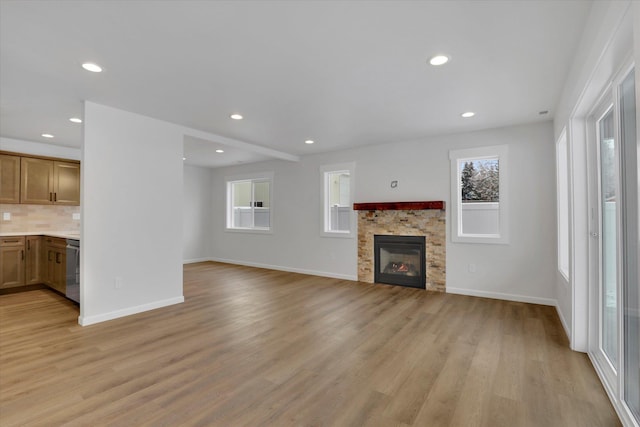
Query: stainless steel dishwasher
x,y
73,270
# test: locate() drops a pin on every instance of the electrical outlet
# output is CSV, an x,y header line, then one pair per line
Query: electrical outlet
x,y
6,216
118,283
75,216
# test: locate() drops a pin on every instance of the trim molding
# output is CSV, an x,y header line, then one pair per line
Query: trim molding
x,y
499,295
567,330
90,320
617,404
194,260
289,269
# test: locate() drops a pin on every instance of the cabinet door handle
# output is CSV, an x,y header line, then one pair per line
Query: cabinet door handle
x,y
12,241
51,197
49,256
55,197
57,257
28,245
22,254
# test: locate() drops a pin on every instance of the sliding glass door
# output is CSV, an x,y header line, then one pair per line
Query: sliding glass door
x,y
630,241
608,225
615,296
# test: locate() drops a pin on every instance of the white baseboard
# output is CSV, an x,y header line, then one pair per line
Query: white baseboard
x,y
194,260
289,269
567,331
498,295
90,320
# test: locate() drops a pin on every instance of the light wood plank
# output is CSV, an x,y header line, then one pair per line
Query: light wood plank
x,y
253,347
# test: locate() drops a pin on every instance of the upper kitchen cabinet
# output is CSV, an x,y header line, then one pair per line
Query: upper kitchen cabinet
x,y
49,182
9,179
66,183
36,184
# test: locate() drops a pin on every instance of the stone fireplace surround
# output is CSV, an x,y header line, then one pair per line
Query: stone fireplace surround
x,y
404,219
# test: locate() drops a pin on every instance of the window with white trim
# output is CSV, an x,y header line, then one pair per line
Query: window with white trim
x,y
337,200
479,195
562,183
249,203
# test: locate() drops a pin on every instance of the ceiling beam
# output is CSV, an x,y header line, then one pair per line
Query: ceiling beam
x,y
239,144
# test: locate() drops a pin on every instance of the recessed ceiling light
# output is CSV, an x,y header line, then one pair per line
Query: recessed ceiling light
x,y
75,120
468,114
308,141
236,117
90,66
184,158
47,135
219,151
439,60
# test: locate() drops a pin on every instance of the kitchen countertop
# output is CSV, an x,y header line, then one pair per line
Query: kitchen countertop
x,y
61,234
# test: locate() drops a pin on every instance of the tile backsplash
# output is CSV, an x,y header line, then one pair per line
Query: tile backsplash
x,y
30,218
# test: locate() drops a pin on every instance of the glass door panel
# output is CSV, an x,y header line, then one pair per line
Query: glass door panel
x,y
609,242
630,237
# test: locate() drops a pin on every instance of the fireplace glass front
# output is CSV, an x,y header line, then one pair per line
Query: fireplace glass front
x,y
400,260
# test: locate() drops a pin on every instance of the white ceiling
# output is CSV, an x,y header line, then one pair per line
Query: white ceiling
x,y
343,73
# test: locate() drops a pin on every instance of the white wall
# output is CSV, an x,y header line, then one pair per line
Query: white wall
x,y
39,148
605,46
295,244
197,204
522,270
132,214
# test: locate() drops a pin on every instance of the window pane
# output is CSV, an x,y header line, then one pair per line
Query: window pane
x,y
480,195
631,285
339,197
242,216
262,213
563,206
608,208
261,194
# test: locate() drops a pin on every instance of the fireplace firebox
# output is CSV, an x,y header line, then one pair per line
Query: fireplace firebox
x,y
400,260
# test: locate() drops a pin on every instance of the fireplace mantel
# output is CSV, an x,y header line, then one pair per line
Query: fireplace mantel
x,y
398,206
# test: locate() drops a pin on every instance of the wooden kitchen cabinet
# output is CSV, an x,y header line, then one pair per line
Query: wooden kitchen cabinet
x,y
9,179
55,260
12,261
34,269
49,182
36,181
66,183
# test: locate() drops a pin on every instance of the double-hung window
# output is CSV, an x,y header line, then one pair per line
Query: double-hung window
x,y
337,200
249,203
479,195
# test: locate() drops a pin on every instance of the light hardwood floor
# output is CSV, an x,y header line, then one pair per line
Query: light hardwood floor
x,y
253,347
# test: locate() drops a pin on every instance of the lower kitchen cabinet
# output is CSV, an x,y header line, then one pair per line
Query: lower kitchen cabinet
x,y
12,262
55,260
33,260
34,273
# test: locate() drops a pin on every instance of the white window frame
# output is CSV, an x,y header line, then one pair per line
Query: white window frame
x,y
325,213
254,177
563,213
491,152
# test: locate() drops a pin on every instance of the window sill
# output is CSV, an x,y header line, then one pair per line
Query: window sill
x,y
482,239
249,230
338,234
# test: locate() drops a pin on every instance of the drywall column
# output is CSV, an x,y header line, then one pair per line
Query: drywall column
x,y
131,249
197,206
